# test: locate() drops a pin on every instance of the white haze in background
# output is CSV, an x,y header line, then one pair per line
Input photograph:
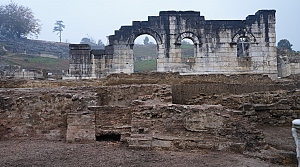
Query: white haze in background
x,y
100,18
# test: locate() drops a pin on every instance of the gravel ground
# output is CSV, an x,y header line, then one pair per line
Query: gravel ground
x,y
50,153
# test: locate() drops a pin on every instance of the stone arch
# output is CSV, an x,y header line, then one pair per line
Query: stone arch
x,y
190,35
143,31
241,34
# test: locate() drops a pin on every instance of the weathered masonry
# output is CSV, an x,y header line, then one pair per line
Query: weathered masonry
x,y
220,46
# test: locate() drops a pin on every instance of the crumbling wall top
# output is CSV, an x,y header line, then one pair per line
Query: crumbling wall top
x,y
163,13
80,47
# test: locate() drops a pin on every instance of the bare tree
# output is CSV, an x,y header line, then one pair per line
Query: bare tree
x,y
59,26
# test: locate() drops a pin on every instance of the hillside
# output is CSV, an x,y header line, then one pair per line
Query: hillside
x,y
16,54
53,57
34,47
34,62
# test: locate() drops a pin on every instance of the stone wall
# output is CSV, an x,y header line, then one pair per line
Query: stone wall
x,y
264,107
80,61
143,115
288,62
39,113
220,47
214,112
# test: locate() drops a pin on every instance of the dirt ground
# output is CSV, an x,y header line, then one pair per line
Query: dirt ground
x,y
50,153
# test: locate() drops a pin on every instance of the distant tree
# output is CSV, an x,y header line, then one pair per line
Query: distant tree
x,y
184,42
284,44
17,21
59,27
88,40
92,43
146,41
101,44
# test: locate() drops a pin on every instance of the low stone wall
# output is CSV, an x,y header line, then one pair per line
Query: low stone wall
x,y
176,78
177,127
188,93
39,113
269,107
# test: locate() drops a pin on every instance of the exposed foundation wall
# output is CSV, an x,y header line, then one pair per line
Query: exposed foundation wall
x,y
175,127
39,113
274,105
186,93
144,117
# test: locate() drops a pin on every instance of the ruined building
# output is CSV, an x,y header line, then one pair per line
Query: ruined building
x,y
220,46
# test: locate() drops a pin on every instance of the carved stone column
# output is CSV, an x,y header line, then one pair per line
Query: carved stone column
x,y
296,135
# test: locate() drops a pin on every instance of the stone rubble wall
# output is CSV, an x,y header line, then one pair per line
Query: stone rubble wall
x,y
39,113
143,116
265,107
175,78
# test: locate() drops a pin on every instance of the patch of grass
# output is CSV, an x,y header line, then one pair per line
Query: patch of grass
x,y
145,65
35,62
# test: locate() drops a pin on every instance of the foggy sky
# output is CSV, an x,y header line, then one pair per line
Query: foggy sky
x,y
100,18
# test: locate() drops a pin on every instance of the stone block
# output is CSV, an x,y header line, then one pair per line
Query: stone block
x,y
80,134
262,107
161,143
85,118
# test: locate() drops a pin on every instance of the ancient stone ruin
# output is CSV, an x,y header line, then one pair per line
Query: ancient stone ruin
x,y
238,113
220,46
236,108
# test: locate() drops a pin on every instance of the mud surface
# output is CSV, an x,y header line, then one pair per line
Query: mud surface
x,y
49,153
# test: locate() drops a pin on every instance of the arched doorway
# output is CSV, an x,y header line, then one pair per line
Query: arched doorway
x,y
145,54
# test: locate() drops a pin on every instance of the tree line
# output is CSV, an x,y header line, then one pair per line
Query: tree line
x,y
17,21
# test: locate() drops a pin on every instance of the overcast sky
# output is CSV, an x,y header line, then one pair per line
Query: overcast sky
x,y
100,18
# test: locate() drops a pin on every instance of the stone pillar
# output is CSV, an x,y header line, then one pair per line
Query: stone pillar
x,y
296,135
81,127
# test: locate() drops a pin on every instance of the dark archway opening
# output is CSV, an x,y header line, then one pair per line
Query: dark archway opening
x,y
109,137
145,54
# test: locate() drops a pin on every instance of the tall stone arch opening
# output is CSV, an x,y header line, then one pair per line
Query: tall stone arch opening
x,y
187,48
188,63
145,53
146,31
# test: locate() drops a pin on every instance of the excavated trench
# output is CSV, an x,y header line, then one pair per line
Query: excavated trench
x,y
168,111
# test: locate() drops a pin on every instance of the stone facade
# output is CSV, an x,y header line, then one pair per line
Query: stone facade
x,y
80,61
220,46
